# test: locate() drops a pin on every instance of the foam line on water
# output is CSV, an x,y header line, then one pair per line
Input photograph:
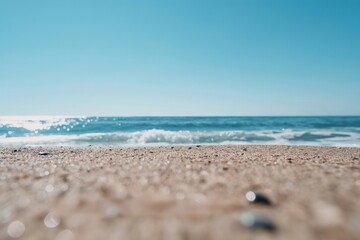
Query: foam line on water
x,y
163,137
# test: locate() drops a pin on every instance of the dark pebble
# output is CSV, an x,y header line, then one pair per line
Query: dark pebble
x,y
254,197
198,146
255,221
355,158
44,153
172,147
189,147
245,149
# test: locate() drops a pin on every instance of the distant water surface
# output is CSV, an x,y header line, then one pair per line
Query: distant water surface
x,y
142,131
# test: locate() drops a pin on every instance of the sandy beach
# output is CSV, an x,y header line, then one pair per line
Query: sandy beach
x,y
180,192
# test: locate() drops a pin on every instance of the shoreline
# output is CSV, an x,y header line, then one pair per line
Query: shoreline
x,y
179,192
171,146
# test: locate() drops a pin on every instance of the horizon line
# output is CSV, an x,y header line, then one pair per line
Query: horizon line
x,y
169,116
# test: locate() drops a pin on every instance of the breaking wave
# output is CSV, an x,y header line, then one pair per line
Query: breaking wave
x,y
163,137
134,131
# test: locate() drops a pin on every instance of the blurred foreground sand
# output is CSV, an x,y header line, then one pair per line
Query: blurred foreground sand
x,y
178,192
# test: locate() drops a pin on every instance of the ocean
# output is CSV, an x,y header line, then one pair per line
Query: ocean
x,y
154,131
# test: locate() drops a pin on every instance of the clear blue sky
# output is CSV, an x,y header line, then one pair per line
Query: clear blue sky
x,y
179,57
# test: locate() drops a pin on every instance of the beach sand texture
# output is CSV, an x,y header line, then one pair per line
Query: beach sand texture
x,y
179,193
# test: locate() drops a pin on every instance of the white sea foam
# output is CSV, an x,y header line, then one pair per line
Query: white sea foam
x,y
162,137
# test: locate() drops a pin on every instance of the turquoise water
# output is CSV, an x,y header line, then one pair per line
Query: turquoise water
x,y
142,131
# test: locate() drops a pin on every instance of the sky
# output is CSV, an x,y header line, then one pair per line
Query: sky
x,y
179,57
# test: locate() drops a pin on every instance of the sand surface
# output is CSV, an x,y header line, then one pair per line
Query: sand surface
x,y
178,192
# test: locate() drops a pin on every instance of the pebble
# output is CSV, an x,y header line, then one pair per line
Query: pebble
x,y
49,188
255,197
44,153
327,215
51,221
111,211
16,229
253,220
65,235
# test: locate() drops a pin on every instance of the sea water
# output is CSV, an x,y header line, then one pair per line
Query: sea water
x,y
149,131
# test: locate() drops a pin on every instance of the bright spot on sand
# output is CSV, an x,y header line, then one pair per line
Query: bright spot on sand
x,y
357,182
247,219
51,221
65,235
250,196
49,188
16,229
180,196
111,211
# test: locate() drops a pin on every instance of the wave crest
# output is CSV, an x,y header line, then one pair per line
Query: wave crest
x,y
164,137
